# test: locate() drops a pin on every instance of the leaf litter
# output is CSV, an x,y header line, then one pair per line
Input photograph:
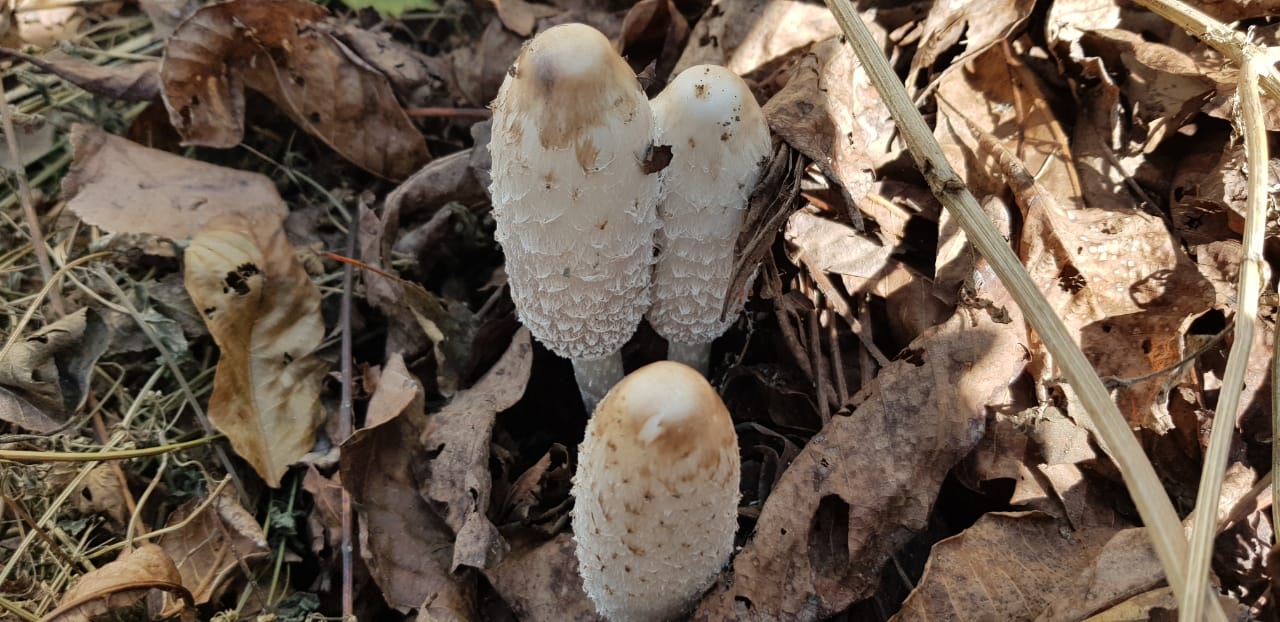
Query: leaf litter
x,y
909,449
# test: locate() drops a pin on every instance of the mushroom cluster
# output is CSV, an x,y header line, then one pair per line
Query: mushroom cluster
x,y
579,210
595,239
655,494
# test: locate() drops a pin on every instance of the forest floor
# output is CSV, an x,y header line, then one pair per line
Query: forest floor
x,y
254,315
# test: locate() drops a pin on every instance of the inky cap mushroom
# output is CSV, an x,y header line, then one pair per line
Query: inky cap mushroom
x,y
575,210
656,494
719,145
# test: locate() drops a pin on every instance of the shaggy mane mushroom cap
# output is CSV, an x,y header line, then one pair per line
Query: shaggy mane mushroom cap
x,y
656,494
719,145
574,207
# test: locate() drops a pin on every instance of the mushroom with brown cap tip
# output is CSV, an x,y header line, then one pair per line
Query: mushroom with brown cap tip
x,y
655,494
719,146
574,206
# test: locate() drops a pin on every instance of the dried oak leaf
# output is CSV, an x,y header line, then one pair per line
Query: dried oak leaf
x,y
981,23
1113,272
212,548
1028,559
540,582
744,35
835,516
278,48
120,584
457,440
44,378
123,187
264,313
406,546
132,82
830,112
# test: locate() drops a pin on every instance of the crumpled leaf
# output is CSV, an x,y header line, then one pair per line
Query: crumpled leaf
x,y
44,378
540,582
213,548
729,33
982,23
1112,271
837,248
417,319
1027,561
123,187
457,443
655,32
830,112
406,546
276,47
264,313
138,81
120,584
835,516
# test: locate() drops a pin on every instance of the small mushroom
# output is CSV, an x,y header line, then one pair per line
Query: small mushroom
x,y
655,494
574,206
719,146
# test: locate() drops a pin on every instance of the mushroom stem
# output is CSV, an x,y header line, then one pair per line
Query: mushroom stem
x,y
596,376
695,355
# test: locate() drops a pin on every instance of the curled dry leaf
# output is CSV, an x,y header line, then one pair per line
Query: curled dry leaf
x,y
1029,559
730,33
123,187
835,516
406,546
131,82
120,584
264,313
214,547
830,112
540,582
277,47
44,378
457,438
1115,275
981,23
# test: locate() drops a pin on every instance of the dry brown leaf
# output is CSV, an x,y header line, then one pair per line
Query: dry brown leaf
x,y
835,516
415,76
214,547
418,320
982,23
41,23
120,584
830,112
100,493
1007,566
325,521
837,248
520,16
264,313
123,187
457,440
540,582
1115,274
132,82
277,47
406,546
44,378
744,35
655,32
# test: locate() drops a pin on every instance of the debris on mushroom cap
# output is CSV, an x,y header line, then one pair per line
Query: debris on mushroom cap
x,y
575,210
656,494
719,145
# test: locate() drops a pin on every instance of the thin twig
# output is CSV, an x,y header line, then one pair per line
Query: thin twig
x,y
18,455
28,205
1191,602
345,425
1139,476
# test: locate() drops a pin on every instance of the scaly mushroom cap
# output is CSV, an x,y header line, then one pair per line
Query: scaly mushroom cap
x,y
575,210
719,145
656,494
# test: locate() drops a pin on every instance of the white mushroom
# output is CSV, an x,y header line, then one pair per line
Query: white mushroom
x,y
575,209
719,145
656,494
